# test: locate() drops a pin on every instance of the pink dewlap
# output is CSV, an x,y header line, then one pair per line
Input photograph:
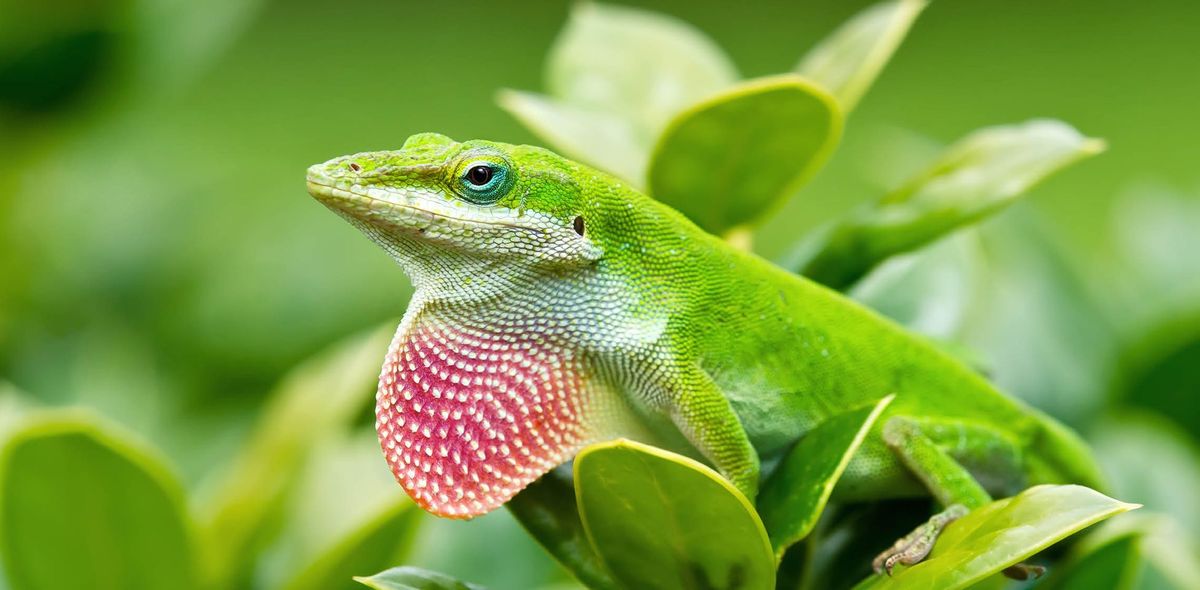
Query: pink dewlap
x,y
468,418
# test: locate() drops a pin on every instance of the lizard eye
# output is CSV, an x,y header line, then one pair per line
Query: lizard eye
x,y
479,175
484,181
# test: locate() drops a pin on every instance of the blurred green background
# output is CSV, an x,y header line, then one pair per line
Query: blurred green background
x,y
161,263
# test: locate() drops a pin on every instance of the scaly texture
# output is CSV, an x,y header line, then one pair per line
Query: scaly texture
x,y
555,306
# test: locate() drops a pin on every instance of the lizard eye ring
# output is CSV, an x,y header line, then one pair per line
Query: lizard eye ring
x,y
484,180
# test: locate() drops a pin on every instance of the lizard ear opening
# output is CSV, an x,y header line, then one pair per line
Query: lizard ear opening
x,y
578,224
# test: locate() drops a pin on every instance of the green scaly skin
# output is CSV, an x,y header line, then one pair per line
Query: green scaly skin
x,y
555,306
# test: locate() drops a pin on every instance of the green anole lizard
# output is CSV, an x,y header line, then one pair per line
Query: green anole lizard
x,y
556,306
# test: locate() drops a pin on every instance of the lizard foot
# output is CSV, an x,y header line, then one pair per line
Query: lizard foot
x,y
915,546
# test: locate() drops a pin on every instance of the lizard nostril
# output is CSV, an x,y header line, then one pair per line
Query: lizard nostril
x,y
355,167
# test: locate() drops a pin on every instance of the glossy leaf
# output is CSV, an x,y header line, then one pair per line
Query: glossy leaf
x,y
548,510
413,578
345,516
602,139
794,497
660,520
641,65
848,61
735,157
976,177
82,506
320,397
1001,534
614,78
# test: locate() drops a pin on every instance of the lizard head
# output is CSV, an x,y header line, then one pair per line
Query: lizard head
x,y
436,204
473,405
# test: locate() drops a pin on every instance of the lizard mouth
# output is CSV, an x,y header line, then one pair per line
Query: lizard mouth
x,y
410,210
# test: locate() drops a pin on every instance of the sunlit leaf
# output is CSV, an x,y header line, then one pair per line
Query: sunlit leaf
x,y
1002,534
615,77
735,157
548,510
641,65
848,61
601,139
346,516
795,495
660,520
412,578
318,398
82,506
974,178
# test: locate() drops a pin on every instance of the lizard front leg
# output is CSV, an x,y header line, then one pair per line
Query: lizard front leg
x,y
703,414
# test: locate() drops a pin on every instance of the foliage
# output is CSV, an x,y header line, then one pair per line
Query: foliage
x,y
144,300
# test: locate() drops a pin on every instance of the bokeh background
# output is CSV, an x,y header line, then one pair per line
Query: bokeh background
x,y
161,263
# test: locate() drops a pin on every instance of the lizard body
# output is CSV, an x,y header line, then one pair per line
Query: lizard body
x,y
556,306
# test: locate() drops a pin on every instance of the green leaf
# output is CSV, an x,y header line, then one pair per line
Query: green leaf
x,y
638,64
380,540
1002,534
848,61
1110,557
413,578
346,516
794,497
547,509
82,506
319,398
615,77
604,140
976,177
1111,563
735,157
660,520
